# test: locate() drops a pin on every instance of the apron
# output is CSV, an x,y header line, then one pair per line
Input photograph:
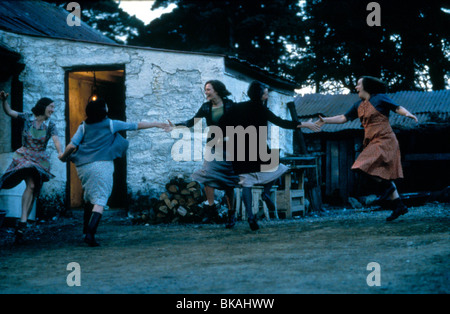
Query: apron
x,y
29,160
381,152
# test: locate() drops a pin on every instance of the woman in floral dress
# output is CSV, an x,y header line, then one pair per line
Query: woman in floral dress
x,y
31,161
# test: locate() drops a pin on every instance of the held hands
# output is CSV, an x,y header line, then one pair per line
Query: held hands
x,y
171,126
313,126
320,122
165,126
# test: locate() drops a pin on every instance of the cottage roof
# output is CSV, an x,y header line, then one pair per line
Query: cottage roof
x,y
429,107
39,18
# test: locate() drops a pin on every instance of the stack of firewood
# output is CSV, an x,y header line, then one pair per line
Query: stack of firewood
x,y
182,201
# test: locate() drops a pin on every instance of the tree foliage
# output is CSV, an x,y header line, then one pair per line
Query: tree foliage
x,y
410,49
251,30
323,43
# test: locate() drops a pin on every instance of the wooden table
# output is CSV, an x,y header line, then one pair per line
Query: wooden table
x,y
293,200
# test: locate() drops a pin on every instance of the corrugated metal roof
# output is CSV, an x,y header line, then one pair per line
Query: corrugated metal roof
x,y
429,107
39,18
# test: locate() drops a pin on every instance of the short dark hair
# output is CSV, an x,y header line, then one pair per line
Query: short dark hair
x,y
373,85
219,88
256,90
41,105
96,111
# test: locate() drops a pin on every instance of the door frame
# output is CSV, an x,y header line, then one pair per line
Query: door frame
x,y
67,71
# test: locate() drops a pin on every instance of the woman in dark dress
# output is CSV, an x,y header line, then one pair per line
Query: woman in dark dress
x,y
214,174
380,158
31,162
262,170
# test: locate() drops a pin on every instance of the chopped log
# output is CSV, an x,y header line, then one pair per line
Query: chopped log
x,y
163,196
182,211
168,203
182,201
197,194
185,192
172,188
177,197
190,201
193,184
173,204
163,209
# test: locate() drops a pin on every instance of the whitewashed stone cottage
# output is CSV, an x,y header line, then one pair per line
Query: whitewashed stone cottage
x,y
42,56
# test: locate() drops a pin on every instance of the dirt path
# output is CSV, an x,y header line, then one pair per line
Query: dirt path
x,y
327,254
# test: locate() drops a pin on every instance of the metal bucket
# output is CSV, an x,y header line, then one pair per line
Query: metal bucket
x,y
11,201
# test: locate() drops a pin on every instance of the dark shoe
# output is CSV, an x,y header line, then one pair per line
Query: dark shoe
x,y
210,212
20,232
253,224
87,215
92,229
399,209
383,199
231,220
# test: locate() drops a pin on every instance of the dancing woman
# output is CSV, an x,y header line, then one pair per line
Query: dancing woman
x,y
31,162
380,158
254,113
92,149
214,174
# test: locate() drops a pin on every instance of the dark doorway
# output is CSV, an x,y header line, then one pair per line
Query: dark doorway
x,y
107,83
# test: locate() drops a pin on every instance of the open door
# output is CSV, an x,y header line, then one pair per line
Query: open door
x,y
108,83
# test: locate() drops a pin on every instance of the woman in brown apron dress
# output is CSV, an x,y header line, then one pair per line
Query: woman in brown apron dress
x,y
380,158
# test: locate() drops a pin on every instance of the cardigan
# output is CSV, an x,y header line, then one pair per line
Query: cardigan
x,y
100,141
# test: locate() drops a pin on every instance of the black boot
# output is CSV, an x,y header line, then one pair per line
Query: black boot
x,y
253,223
87,215
248,199
398,209
387,188
92,229
20,231
231,219
210,213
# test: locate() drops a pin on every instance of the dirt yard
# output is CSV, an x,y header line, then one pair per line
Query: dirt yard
x,y
314,254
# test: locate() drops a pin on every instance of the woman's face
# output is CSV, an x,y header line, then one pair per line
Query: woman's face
x,y
49,110
360,89
210,93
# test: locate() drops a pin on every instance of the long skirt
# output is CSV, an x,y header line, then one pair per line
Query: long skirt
x,y
261,178
27,163
97,181
217,174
